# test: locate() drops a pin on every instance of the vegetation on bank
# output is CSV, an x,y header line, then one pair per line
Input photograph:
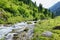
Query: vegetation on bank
x,y
52,25
13,11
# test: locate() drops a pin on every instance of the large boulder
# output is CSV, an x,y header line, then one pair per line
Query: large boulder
x,y
47,34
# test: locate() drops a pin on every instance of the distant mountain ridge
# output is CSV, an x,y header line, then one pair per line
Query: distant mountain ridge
x,y
55,9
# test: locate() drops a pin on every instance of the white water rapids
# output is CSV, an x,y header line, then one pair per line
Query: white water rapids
x,y
21,26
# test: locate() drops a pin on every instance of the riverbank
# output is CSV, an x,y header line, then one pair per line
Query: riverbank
x,y
47,29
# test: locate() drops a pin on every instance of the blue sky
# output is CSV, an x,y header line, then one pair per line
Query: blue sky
x,y
46,3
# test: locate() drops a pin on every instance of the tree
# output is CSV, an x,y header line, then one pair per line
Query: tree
x,y
45,12
26,1
34,4
40,8
53,15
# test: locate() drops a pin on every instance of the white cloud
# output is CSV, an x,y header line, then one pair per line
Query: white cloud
x,y
46,3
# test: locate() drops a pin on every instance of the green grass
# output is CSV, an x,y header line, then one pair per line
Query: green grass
x,y
47,25
2,38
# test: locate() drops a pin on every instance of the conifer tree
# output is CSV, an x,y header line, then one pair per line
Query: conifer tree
x,y
40,8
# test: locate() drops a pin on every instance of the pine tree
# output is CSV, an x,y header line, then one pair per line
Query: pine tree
x,y
45,12
40,8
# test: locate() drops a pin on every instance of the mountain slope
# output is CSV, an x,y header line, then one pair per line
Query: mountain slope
x,y
56,9
13,11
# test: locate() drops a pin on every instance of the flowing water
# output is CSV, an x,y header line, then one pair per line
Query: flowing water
x,y
18,27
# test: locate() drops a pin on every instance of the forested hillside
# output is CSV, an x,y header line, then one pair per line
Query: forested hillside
x,y
13,11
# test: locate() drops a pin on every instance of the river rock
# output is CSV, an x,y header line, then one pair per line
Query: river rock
x,y
47,34
10,36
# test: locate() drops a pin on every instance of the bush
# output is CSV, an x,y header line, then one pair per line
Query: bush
x,y
29,22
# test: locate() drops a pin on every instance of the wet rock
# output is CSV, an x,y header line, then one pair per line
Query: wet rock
x,y
47,34
10,36
26,29
56,28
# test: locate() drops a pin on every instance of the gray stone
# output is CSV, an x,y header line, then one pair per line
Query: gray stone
x,y
47,34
